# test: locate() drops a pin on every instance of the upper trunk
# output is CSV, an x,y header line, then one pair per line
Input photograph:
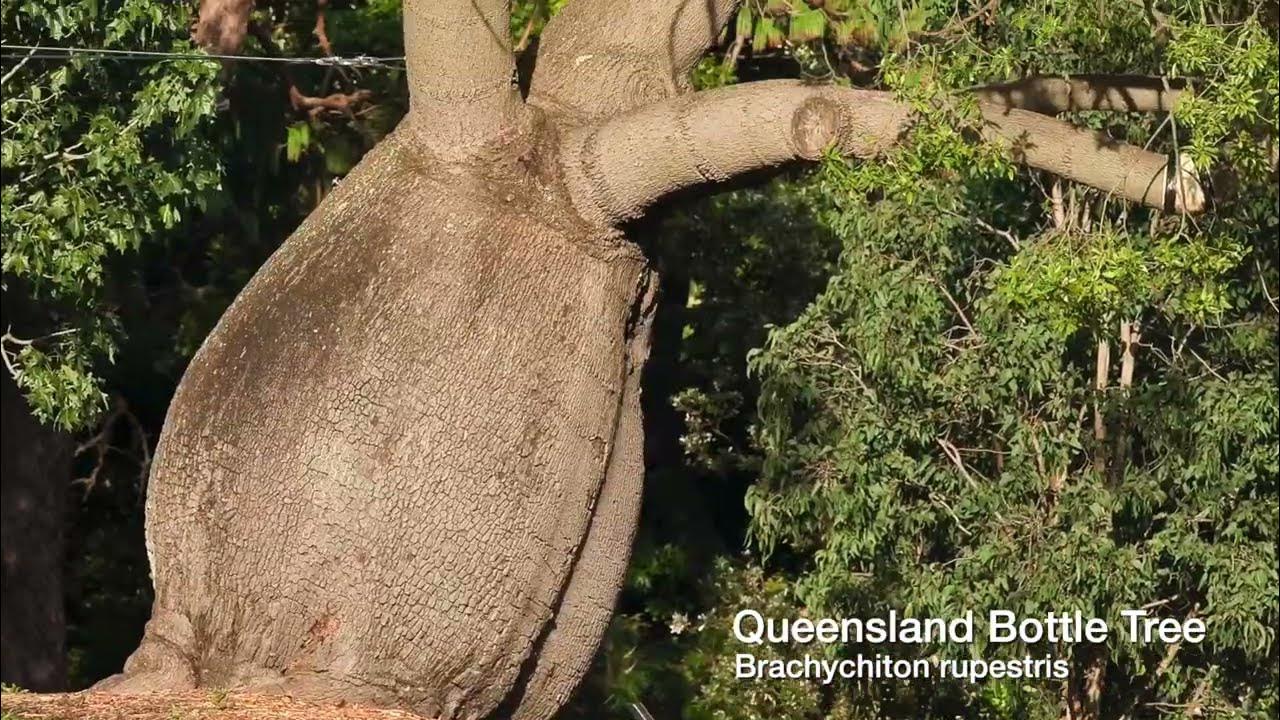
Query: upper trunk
x,y
462,75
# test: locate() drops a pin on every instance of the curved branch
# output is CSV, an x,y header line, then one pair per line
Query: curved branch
x,y
461,70
1052,95
599,58
618,168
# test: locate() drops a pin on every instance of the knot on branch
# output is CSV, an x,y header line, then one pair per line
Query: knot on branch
x,y
815,126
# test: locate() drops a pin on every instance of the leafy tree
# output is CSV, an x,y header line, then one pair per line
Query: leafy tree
x,y
98,158
1040,400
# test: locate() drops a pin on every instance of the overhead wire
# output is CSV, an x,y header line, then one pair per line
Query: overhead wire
x,y
51,52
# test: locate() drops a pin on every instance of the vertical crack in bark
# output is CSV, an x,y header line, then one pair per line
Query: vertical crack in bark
x,y
637,323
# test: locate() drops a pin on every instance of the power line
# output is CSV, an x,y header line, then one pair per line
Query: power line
x,y
48,52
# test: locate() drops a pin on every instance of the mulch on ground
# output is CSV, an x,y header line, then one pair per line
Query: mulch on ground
x,y
195,705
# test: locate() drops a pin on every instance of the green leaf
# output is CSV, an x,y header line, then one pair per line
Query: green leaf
x,y
297,139
745,22
808,25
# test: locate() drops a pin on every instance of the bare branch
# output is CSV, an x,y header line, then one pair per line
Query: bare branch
x,y
1052,95
343,103
101,445
599,58
14,70
320,30
617,168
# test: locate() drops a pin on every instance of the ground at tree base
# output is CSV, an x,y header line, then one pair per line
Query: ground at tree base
x,y
195,705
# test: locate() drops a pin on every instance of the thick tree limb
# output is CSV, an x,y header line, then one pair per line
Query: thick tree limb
x,y
1052,95
617,168
599,58
461,71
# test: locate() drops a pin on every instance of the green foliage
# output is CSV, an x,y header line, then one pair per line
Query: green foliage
x,y
98,158
927,424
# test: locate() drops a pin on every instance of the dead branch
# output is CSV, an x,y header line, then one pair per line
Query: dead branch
x,y
319,31
101,443
343,103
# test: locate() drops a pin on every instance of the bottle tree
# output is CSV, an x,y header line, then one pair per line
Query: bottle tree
x,y
405,468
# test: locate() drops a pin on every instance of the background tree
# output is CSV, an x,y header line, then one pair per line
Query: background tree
x,y
96,158
1009,397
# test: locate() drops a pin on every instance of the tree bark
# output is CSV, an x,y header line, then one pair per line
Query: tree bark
x,y
1052,95
462,76
35,478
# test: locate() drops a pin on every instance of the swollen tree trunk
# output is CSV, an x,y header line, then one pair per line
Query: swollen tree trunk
x,y
33,493
406,466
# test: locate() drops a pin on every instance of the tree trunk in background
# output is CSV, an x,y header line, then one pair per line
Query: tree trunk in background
x,y
33,493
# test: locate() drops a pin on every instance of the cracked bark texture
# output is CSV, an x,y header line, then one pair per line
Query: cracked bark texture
x,y
406,466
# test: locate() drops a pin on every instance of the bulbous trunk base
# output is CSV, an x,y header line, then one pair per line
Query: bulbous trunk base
x,y
406,466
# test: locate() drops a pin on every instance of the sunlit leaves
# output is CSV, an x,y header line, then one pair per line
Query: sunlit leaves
x,y
99,156
927,423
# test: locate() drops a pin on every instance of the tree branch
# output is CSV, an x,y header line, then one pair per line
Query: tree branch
x,y
221,25
1094,159
336,102
320,29
461,71
1052,95
599,58
617,168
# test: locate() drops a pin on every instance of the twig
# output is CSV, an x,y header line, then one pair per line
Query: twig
x,y
954,455
10,357
956,306
13,70
322,37
1265,292
100,443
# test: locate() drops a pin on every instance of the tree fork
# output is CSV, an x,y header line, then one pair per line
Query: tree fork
x,y
599,58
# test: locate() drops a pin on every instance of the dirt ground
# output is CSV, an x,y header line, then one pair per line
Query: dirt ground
x,y
197,705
